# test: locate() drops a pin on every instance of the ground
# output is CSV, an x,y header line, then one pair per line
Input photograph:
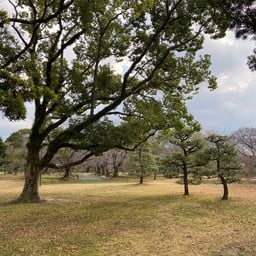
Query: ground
x,y
127,219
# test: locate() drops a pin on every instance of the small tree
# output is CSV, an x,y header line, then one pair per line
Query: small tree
x,y
225,155
184,159
142,162
2,151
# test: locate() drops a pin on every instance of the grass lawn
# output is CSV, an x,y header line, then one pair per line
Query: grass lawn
x,y
123,218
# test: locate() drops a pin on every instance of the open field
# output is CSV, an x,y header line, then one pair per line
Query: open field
x,y
127,219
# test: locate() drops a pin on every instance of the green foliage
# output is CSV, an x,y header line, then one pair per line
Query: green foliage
x,y
142,162
186,159
225,155
2,149
16,151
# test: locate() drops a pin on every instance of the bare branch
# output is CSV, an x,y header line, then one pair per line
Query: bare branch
x,y
138,144
124,114
70,164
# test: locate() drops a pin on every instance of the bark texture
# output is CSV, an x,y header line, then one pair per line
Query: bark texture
x,y
225,187
30,192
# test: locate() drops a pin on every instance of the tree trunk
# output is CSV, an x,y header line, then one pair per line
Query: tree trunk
x,y
67,173
115,172
30,192
141,179
185,180
225,187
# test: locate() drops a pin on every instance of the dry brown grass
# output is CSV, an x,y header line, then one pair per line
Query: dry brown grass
x,y
127,219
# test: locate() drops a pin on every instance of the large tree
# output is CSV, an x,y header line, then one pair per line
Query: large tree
x,y
61,56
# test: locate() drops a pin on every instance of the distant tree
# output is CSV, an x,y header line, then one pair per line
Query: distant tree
x,y
19,138
245,141
188,146
107,164
2,151
16,150
64,156
142,162
159,151
225,155
118,157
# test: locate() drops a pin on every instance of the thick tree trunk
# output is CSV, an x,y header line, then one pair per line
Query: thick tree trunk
x,y
225,187
30,192
185,180
141,179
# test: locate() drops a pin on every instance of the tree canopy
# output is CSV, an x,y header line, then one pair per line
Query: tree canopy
x,y
226,157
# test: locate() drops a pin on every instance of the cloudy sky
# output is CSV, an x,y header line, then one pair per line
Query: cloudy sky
x,y
231,106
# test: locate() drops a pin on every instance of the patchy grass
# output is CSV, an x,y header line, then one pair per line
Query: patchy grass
x,y
128,219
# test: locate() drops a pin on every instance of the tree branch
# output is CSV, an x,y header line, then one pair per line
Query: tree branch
x,y
70,164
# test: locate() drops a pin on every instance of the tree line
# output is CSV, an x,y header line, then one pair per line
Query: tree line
x,y
186,154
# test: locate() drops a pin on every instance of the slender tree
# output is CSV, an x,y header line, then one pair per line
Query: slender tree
x,y
62,56
142,162
184,159
225,156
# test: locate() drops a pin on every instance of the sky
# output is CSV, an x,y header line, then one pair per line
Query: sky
x,y
233,104
228,108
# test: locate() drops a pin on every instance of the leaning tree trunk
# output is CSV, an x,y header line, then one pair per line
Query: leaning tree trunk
x,y
225,187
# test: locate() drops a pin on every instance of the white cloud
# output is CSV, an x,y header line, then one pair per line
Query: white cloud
x,y
232,105
229,84
227,40
121,66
